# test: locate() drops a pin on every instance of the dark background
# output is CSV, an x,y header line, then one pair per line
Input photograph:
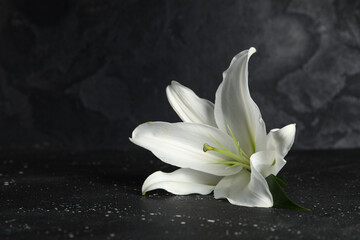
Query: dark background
x,y
77,76
84,74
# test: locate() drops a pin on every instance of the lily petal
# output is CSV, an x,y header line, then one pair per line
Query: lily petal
x,y
234,107
282,139
181,145
181,182
245,188
188,106
278,164
267,162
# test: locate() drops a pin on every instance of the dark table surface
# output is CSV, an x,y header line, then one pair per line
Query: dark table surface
x,y
96,195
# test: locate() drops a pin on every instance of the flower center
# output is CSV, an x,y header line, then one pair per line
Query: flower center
x,y
240,159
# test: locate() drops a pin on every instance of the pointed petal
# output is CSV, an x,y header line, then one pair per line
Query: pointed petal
x,y
181,182
276,167
282,139
267,162
234,106
189,106
181,145
245,188
262,160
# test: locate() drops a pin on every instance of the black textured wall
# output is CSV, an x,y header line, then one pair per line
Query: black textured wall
x,y
84,74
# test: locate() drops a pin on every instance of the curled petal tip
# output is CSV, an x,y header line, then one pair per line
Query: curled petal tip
x,y
293,126
174,82
252,50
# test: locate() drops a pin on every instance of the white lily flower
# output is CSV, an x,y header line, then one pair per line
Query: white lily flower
x,y
221,147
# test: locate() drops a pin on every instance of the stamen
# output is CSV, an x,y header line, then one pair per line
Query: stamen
x,y
224,148
242,159
234,164
239,160
241,152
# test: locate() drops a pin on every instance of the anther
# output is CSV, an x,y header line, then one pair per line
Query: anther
x,y
207,147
